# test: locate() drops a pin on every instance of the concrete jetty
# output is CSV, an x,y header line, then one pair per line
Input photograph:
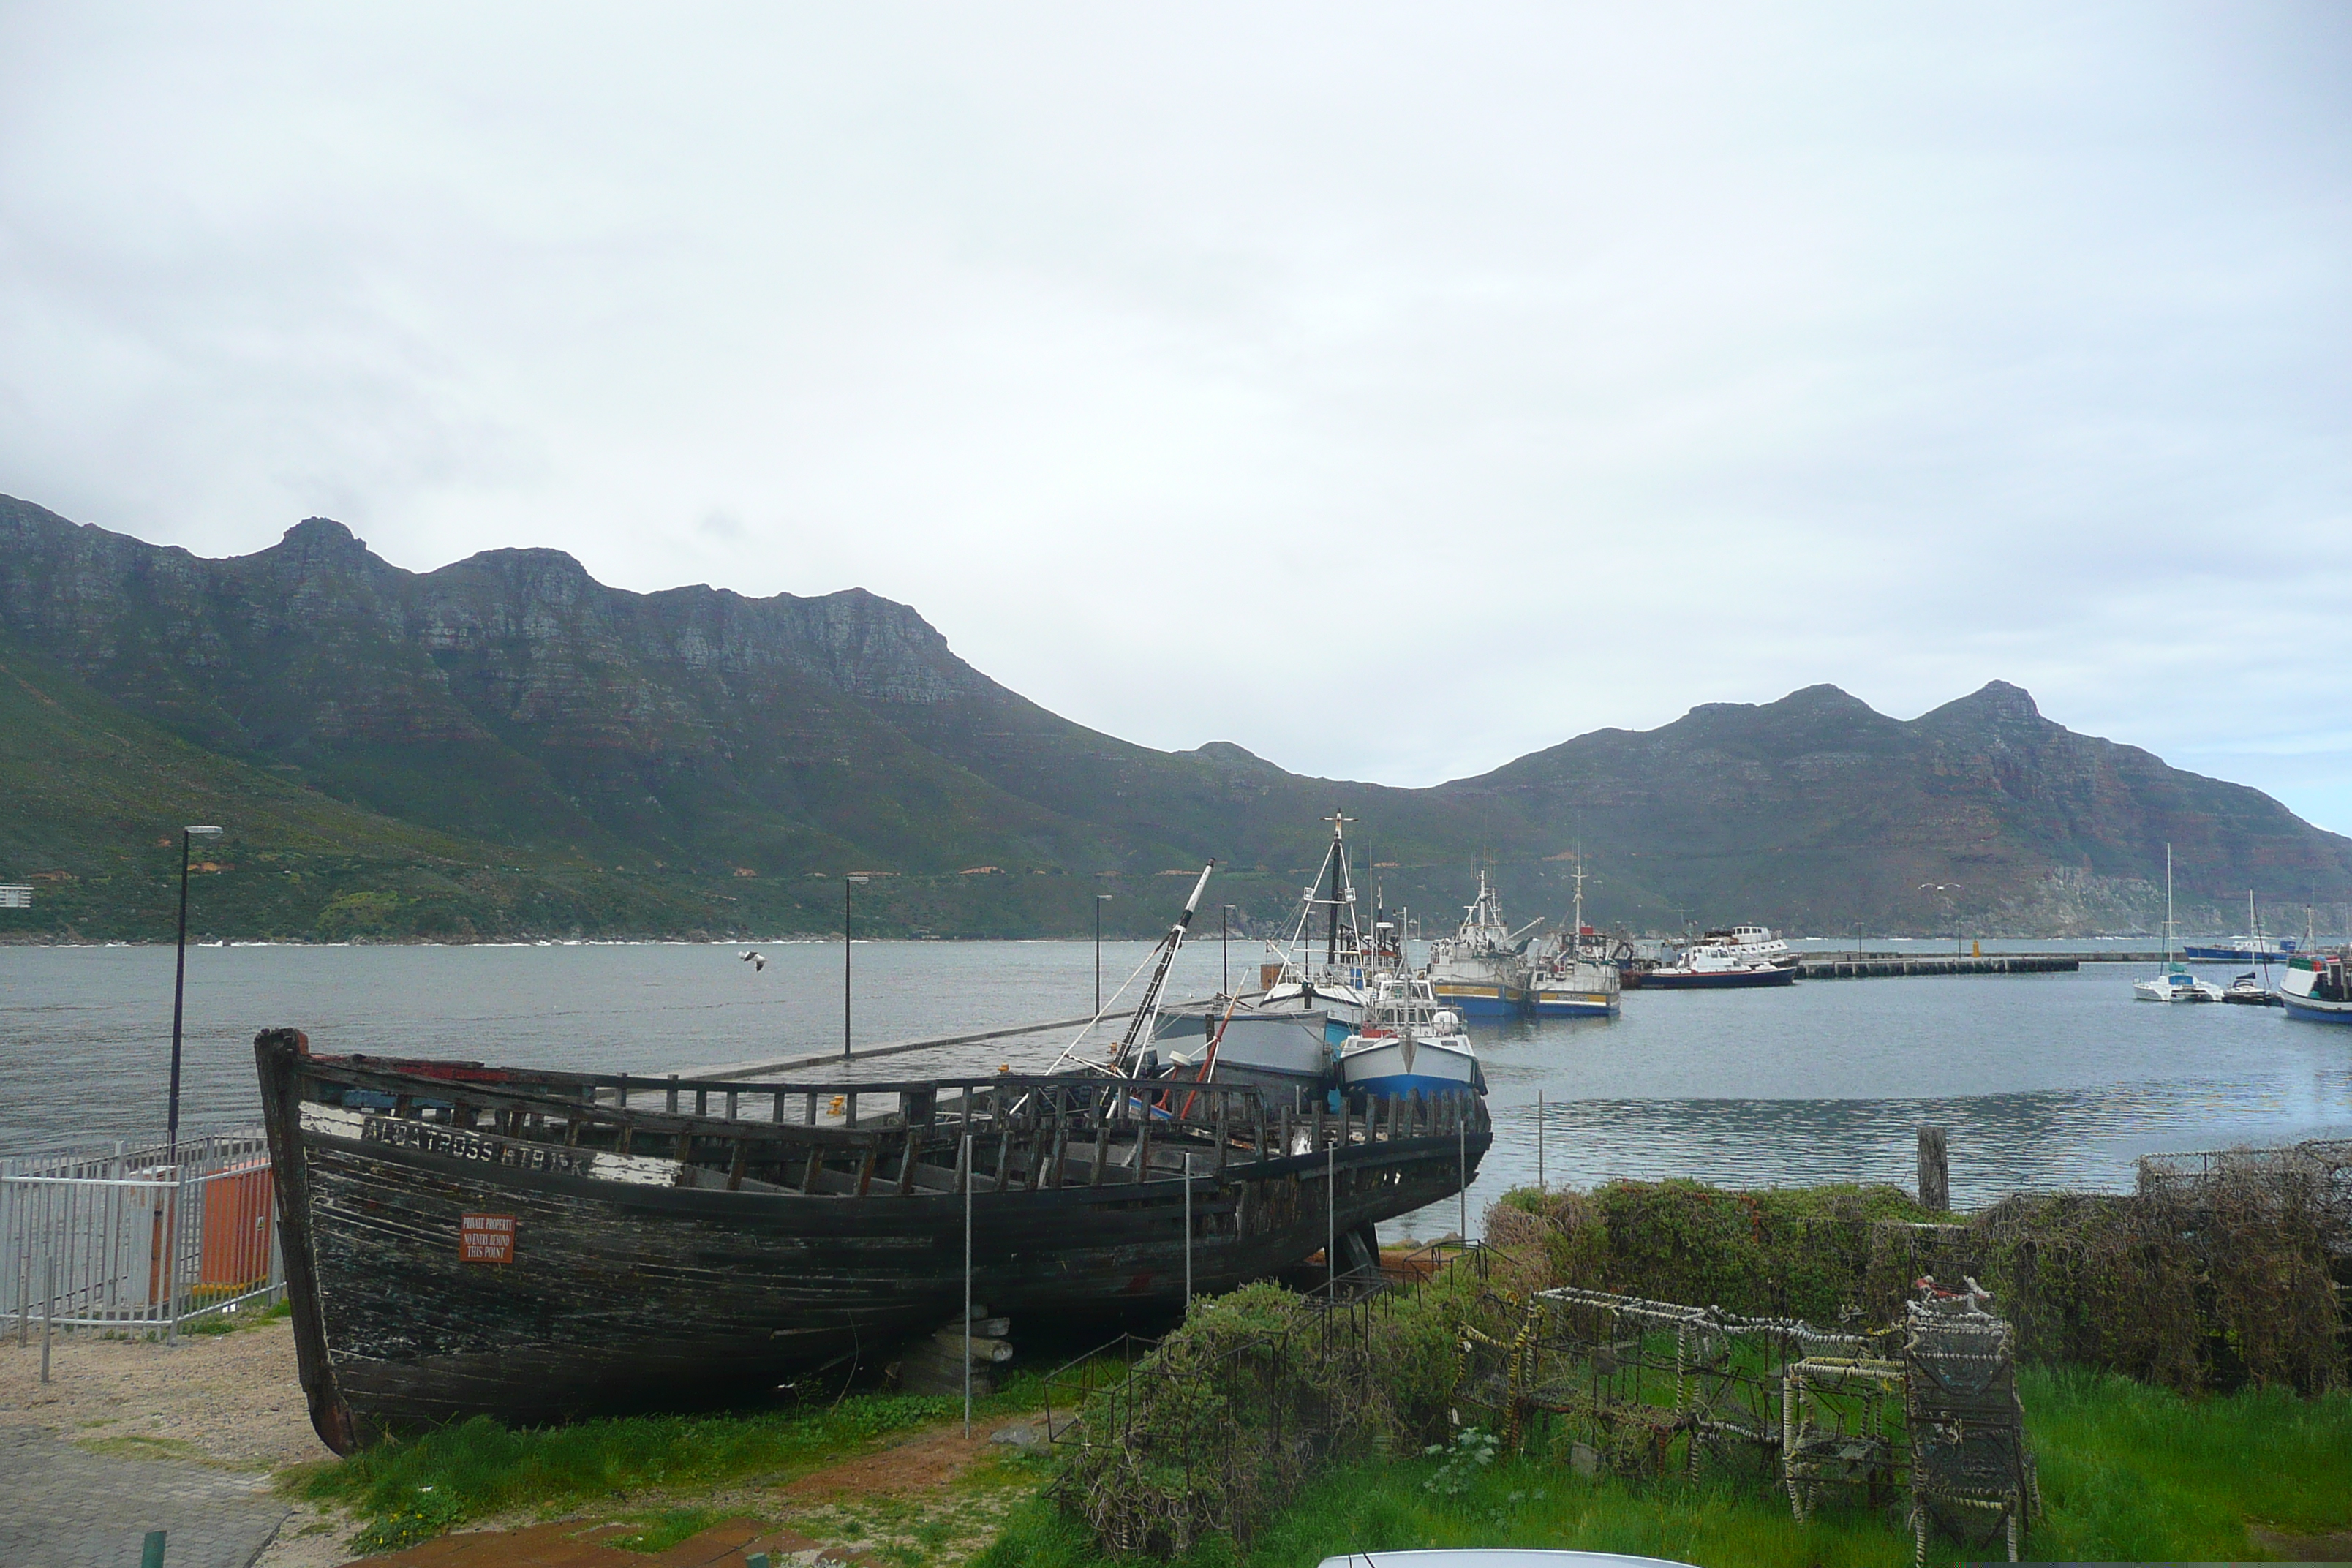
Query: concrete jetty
x,y
1873,966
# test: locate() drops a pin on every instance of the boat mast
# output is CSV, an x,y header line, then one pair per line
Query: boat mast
x,y
2254,935
2168,906
1146,1011
1576,938
1339,870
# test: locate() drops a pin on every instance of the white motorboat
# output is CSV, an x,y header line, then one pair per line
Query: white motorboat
x,y
1410,1042
1715,966
2248,991
2176,983
1754,943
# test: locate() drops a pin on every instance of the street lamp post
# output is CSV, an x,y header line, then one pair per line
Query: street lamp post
x,y
847,883
1100,900
188,836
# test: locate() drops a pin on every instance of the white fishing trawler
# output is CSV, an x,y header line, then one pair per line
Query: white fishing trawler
x,y
1481,970
1335,983
1570,976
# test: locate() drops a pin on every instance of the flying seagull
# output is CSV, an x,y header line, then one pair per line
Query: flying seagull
x,y
758,961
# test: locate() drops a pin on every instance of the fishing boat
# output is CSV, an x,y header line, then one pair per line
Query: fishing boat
x,y
462,1239
1481,970
1282,1050
2243,948
2247,947
1409,1045
1336,982
2176,983
2316,987
1717,966
1569,977
1754,943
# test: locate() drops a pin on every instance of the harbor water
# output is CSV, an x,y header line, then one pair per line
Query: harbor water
x,y
2044,1080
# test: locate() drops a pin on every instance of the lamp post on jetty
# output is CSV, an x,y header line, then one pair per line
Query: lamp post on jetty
x,y
852,880
1100,900
188,836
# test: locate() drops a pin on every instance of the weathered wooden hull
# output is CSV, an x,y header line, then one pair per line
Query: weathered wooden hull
x,y
628,1291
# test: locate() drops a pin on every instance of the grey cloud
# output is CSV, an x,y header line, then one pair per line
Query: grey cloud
x,y
1435,384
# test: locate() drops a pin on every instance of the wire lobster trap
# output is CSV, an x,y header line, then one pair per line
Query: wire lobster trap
x,y
1972,1472
1927,1411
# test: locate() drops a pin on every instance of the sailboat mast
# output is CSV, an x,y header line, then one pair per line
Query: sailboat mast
x,y
2168,906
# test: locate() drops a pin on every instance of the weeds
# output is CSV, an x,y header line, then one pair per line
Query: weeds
x,y
2129,1472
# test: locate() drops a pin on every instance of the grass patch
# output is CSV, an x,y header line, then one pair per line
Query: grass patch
x,y
666,1528
479,1466
411,1490
230,1320
2129,1472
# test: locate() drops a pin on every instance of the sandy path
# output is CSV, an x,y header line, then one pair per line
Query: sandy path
x,y
228,1399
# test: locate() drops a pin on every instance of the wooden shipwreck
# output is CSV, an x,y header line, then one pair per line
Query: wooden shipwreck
x,y
463,1239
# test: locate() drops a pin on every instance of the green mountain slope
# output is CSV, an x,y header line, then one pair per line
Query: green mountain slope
x,y
696,760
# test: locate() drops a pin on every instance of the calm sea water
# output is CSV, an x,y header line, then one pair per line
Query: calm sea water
x,y
2044,1081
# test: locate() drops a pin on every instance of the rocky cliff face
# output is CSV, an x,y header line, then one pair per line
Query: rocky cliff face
x,y
1981,811
511,698
511,695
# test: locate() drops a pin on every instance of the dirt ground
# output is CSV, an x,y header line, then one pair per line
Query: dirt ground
x,y
234,1400
228,1399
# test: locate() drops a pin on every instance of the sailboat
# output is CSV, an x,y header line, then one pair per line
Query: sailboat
x,y
2248,990
2176,983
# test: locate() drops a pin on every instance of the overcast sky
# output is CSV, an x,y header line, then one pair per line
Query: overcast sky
x,y
1391,390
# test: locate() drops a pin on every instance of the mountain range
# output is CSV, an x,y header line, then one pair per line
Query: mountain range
x,y
506,747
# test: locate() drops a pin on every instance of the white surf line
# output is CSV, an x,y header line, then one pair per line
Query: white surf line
x,y
898,1047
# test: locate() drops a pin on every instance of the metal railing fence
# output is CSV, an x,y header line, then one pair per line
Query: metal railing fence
x,y
138,1240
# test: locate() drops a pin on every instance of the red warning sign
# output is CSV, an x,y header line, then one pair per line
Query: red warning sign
x,y
486,1238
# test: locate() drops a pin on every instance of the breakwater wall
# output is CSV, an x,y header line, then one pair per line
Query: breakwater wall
x,y
1867,966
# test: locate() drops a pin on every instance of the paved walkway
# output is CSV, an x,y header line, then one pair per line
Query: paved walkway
x,y
67,1508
